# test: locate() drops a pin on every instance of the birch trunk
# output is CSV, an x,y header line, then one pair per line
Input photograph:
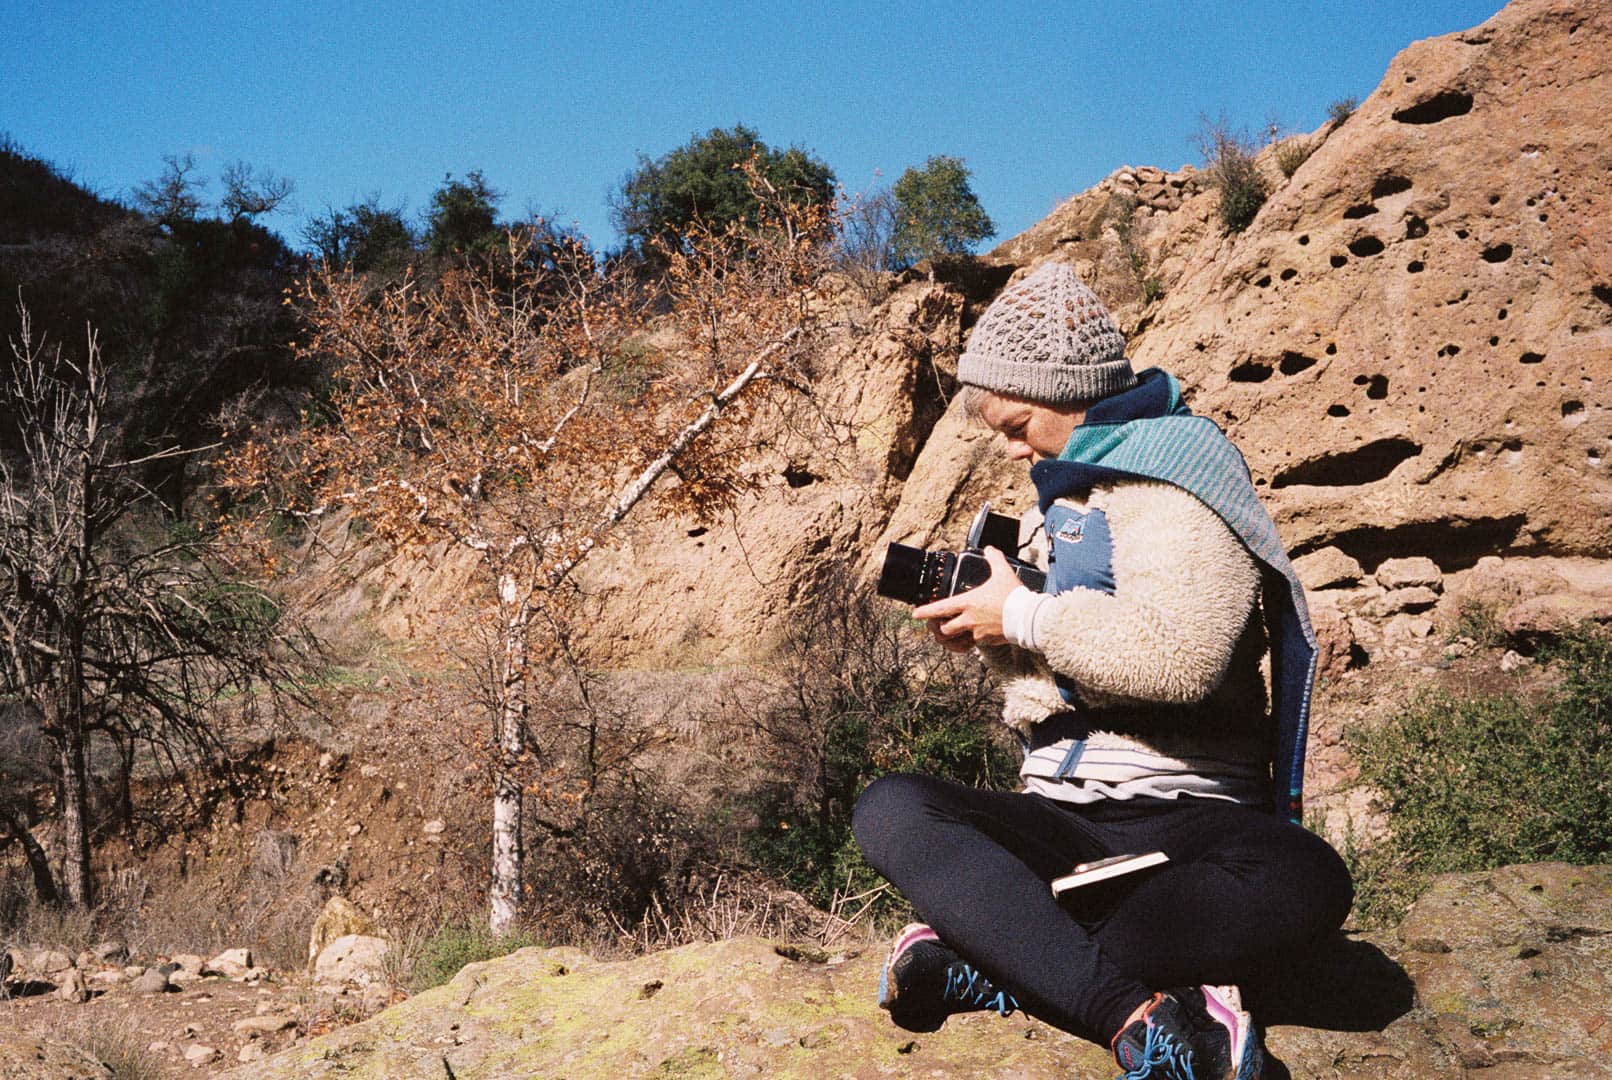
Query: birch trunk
x,y
505,895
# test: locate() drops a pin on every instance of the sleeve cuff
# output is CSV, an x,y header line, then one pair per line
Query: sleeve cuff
x,y
1018,617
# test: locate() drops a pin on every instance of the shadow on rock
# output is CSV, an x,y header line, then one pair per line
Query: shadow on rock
x,y
1341,984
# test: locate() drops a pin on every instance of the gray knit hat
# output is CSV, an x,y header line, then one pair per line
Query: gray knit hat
x,y
1049,339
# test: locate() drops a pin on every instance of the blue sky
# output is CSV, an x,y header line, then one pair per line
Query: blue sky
x,y
554,101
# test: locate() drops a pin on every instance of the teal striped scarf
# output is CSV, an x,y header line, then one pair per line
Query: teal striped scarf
x,y
1148,432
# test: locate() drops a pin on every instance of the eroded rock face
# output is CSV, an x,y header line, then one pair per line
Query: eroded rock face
x,y
1508,968
24,1057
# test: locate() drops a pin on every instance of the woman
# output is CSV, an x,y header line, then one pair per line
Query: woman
x,y
1134,681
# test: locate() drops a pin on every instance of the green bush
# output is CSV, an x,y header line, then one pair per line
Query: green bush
x,y
1341,109
453,945
1228,158
1476,782
1291,153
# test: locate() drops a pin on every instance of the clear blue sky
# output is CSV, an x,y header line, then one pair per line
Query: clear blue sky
x,y
554,101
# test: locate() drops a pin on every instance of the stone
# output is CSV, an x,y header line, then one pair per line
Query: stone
x,y
252,1051
134,971
265,1024
354,958
188,962
199,1054
184,978
28,1057
48,962
1514,661
72,987
105,980
231,963
1409,573
1548,616
339,918
1328,568
150,981
434,827
1414,598
111,952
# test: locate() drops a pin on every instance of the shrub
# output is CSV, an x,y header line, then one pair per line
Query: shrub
x,y
118,1043
1481,781
1291,153
439,956
1341,109
1228,158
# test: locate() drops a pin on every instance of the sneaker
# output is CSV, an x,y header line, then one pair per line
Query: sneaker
x,y
1196,1033
924,982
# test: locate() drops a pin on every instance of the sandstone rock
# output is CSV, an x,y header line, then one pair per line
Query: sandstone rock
x,y
265,1024
355,958
189,962
199,1054
1327,568
134,971
150,981
1339,651
1509,965
105,980
184,978
339,917
1417,571
252,1051
25,1057
48,962
1544,616
231,963
1513,661
72,987
434,827
111,952
1415,598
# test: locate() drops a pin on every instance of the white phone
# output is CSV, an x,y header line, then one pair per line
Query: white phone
x,y
1089,873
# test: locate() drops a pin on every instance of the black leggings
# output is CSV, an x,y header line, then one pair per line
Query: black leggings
x,y
1241,885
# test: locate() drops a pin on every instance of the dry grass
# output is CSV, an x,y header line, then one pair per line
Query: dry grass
x,y
117,1043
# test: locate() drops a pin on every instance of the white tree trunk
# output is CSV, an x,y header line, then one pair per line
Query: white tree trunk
x,y
505,895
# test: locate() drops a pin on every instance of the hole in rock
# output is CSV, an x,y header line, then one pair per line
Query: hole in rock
x,y
1493,199
1250,371
1501,315
1362,380
1497,254
1414,267
1603,293
1332,348
1493,341
1303,240
1360,211
1366,245
1544,217
1289,274
1390,184
1450,350
699,530
1415,228
1263,282
1339,260
798,476
1461,234
1294,362
1459,542
1362,465
1444,105
1340,411
1531,358
1378,388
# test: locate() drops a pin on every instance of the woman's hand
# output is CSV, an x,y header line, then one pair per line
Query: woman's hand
x,y
973,617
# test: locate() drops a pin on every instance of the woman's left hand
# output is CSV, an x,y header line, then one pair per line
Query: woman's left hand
x,y
977,612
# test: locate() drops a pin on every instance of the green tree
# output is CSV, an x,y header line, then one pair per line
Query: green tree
x,y
703,183
938,212
366,236
464,216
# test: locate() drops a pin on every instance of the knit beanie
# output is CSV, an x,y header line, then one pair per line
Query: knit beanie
x,y
1047,338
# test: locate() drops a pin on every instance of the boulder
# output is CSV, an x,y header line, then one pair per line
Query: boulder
x,y
338,918
48,963
352,958
231,963
150,981
1512,967
1412,599
1546,616
1416,571
71,986
1328,568
26,1057
198,1054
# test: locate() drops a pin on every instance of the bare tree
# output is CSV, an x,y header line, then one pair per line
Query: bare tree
x,y
523,408
249,193
114,626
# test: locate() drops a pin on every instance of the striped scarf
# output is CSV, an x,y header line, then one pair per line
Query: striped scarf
x,y
1147,432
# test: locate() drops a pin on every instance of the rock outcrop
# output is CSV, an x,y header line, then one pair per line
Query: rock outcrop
x,y
1509,971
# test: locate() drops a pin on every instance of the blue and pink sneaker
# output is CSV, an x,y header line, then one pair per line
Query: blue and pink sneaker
x,y
924,982
1194,1033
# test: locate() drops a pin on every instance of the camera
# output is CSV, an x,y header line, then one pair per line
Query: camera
x,y
915,576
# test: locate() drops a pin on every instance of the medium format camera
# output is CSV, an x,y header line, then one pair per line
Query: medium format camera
x,y
915,576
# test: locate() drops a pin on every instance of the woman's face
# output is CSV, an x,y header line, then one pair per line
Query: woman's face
x,y
1033,431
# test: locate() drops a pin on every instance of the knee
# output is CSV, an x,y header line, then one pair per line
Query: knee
x,y
889,808
1327,888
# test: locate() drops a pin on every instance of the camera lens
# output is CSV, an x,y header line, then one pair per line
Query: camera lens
x,y
902,575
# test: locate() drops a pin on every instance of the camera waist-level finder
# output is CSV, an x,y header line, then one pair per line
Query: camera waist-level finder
x,y
915,576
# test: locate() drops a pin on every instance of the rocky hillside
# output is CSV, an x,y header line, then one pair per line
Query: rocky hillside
x,y
1411,343
1475,978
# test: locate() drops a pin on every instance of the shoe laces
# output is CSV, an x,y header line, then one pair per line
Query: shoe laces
x,y
1162,1048
965,984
